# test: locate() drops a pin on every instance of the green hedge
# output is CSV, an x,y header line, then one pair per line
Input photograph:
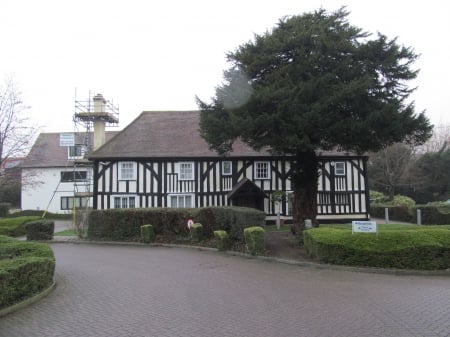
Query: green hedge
x,y
431,214
124,224
223,240
147,234
413,248
254,239
196,232
4,209
15,226
26,268
40,230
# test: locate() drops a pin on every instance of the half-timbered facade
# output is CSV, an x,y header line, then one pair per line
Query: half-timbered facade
x,y
160,160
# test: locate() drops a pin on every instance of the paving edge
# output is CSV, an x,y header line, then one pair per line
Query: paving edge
x,y
28,301
305,264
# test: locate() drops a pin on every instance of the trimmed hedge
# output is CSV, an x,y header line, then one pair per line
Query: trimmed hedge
x,y
26,268
147,234
196,232
40,230
412,248
4,209
170,223
254,239
223,240
431,214
15,226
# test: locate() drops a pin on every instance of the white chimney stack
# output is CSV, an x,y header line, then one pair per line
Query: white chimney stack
x,y
99,123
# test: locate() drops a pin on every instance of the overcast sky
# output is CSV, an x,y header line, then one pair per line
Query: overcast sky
x,y
157,55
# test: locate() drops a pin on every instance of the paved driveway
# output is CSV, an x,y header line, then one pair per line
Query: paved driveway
x,y
142,291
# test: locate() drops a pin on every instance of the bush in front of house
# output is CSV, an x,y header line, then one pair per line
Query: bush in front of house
x,y
26,268
254,239
412,248
4,209
196,233
223,240
15,226
170,223
431,214
40,230
147,234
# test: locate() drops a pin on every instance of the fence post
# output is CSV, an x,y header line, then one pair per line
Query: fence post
x,y
419,216
386,215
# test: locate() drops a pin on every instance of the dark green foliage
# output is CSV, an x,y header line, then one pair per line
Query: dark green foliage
x,y
25,269
40,230
254,239
314,82
4,209
196,233
124,224
15,226
431,214
48,215
414,248
223,240
147,234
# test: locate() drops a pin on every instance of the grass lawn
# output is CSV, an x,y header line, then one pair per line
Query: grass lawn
x,y
67,232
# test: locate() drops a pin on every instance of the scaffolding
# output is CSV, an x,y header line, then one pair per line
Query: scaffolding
x,y
91,117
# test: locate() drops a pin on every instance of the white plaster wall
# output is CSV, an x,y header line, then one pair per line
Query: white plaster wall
x,y
41,189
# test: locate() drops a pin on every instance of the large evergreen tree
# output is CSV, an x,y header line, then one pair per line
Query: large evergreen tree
x,y
314,82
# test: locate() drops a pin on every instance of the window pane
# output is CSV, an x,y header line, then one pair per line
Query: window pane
x,y
188,201
186,171
127,171
131,201
226,167
124,203
116,202
173,201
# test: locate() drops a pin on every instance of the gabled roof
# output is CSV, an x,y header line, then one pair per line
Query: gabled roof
x,y
164,134
46,151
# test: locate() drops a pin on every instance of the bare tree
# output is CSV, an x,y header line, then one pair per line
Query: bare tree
x,y
16,131
439,141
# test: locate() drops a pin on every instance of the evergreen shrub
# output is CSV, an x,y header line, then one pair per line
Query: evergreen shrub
x,y
4,209
26,268
196,233
40,230
15,226
223,240
147,234
254,239
410,248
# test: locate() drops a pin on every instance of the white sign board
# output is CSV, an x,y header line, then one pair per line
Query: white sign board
x,y
364,227
66,139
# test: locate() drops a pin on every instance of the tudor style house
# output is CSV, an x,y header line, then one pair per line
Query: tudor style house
x,y
160,160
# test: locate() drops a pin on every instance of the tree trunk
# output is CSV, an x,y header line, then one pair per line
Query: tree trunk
x,y
305,180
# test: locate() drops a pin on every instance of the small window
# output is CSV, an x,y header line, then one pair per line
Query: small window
x,y
67,203
186,171
71,176
339,168
127,170
124,202
262,170
226,168
181,201
77,151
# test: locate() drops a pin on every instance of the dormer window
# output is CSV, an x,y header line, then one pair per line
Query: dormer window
x,y
76,151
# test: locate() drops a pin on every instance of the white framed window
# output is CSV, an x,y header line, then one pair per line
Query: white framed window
x,y
262,170
339,168
186,170
227,169
76,151
71,176
67,203
127,170
181,201
124,202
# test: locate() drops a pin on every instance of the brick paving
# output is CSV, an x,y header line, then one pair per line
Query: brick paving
x,y
155,291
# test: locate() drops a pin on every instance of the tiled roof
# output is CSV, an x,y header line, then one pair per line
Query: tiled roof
x,y
164,134
46,151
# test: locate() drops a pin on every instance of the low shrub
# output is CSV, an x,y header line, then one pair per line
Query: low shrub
x,y
223,240
435,214
170,223
4,209
26,268
147,234
15,226
40,230
431,214
254,239
39,214
413,248
196,233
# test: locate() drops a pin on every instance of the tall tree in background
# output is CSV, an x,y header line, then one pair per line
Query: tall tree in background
x,y
388,168
314,82
16,134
